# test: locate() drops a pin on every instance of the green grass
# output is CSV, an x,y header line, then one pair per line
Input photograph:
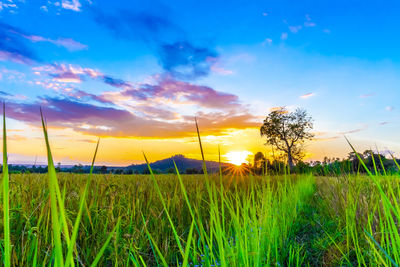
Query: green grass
x,y
258,217
6,196
266,220
62,219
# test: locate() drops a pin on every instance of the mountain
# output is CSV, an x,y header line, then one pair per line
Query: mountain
x,y
181,162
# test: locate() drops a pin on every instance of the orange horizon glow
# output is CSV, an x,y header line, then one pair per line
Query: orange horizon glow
x,y
26,146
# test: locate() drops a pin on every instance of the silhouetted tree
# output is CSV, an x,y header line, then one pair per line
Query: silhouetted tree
x,y
287,131
58,168
259,163
103,169
77,168
258,158
118,171
129,171
191,171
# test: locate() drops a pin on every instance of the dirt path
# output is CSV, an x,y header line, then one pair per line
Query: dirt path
x,y
313,232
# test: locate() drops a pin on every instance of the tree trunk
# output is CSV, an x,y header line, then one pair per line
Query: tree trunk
x,y
290,159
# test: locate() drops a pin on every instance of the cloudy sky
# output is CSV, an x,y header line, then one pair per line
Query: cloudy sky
x,y
136,73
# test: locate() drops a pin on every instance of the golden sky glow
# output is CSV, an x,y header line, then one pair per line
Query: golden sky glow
x,y
26,145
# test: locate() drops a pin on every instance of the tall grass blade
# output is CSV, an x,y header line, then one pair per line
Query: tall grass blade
x,y
103,248
164,206
53,199
378,185
6,196
380,160
184,191
395,161
373,162
381,249
187,248
201,147
71,246
154,245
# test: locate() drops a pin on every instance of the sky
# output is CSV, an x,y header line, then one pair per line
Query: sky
x,y
136,73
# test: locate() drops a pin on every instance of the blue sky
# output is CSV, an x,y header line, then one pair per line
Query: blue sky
x,y
136,72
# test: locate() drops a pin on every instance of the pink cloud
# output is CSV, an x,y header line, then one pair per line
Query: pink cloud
x,y
161,104
180,92
63,73
220,70
67,43
12,75
162,89
67,77
327,138
108,121
308,95
15,57
362,128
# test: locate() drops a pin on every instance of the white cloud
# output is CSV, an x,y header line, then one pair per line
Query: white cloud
x,y
327,31
74,5
295,29
390,108
8,6
366,95
284,36
267,41
309,24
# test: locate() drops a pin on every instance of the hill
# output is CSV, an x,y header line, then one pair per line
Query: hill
x,y
184,165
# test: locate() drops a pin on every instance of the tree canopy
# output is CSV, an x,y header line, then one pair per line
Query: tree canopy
x,y
287,132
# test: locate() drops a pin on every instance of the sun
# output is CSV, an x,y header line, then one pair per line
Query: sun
x,y
237,157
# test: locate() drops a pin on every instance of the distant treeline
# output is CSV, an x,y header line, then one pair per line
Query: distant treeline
x,y
260,166
18,169
43,169
329,166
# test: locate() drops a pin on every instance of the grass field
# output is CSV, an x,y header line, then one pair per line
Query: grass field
x,y
61,219
245,221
